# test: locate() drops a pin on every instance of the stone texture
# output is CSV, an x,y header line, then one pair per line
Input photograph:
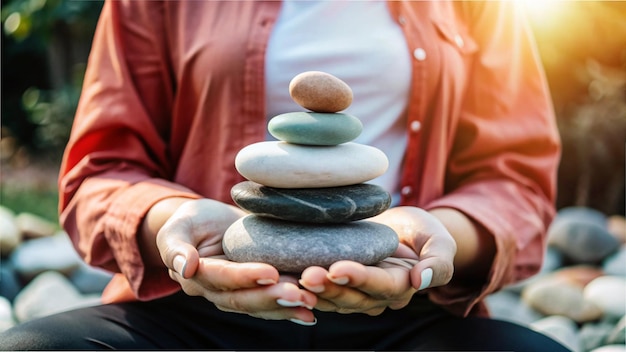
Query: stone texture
x,y
46,253
88,279
315,205
582,235
320,92
285,165
579,275
49,293
10,235
595,334
313,128
610,348
292,247
616,224
10,284
558,296
618,333
562,329
6,314
506,305
608,293
615,264
32,225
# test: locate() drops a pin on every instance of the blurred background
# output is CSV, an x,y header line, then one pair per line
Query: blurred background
x,y
45,45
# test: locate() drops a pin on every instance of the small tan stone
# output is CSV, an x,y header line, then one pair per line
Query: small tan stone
x,y
33,226
320,92
617,227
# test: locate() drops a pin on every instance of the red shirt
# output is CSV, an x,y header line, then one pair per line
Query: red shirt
x,y
175,89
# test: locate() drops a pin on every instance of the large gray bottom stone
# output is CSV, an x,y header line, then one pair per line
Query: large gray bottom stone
x,y
292,247
316,205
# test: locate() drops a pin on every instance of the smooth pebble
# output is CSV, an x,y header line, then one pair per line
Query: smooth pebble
x,y
320,92
285,165
314,128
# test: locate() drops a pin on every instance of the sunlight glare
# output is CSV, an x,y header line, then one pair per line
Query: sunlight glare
x,y
541,9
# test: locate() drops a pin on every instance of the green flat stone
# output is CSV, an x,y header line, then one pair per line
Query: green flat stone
x,y
314,128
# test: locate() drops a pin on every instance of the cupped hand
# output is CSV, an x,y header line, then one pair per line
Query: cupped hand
x,y
190,245
423,259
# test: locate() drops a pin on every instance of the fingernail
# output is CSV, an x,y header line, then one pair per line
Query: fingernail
x,y
427,278
180,264
265,281
314,289
339,280
289,304
300,322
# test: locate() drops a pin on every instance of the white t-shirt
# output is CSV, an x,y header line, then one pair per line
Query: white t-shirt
x,y
358,42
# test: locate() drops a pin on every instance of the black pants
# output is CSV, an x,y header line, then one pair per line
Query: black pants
x,y
182,322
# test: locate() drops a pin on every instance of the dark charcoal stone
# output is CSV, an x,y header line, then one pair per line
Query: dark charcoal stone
x,y
292,247
314,205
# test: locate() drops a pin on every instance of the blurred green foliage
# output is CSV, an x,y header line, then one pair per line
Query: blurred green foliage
x,y
44,50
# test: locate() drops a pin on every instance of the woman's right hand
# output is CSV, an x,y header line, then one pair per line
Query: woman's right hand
x,y
189,242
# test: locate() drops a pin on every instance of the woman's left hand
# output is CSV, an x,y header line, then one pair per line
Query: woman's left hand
x,y
423,259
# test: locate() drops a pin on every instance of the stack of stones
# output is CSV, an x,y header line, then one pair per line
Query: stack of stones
x,y
307,192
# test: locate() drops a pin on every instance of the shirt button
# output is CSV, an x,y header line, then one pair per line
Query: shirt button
x,y
459,41
416,126
406,190
402,20
419,54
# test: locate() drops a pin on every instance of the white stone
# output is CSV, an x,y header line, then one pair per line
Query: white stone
x,y
49,293
285,165
560,328
609,293
46,253
6,314
553,296
10,235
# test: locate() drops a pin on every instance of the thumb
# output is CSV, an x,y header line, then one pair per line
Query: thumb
x,y
431,272
183,262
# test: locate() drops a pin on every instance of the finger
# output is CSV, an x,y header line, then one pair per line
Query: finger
x,y
224,275
378,282
276,302
431,272
183,259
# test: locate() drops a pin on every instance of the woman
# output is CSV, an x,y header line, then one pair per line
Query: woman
x,y
452,92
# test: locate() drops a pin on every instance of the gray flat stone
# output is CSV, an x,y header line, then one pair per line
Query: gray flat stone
x,y
292,247
315,205
314,128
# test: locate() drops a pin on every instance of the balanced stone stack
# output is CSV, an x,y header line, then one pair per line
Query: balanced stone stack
x,y
307,193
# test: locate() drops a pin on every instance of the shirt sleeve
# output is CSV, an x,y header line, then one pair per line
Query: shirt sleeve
x,y
116,163
502,168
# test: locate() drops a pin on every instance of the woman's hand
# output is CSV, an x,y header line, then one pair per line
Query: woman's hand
x,y
425,258
190,245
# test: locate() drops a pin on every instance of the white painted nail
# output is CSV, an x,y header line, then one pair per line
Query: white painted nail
x,y
300,322
180,264
339,280
427,278
289,304
314,289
